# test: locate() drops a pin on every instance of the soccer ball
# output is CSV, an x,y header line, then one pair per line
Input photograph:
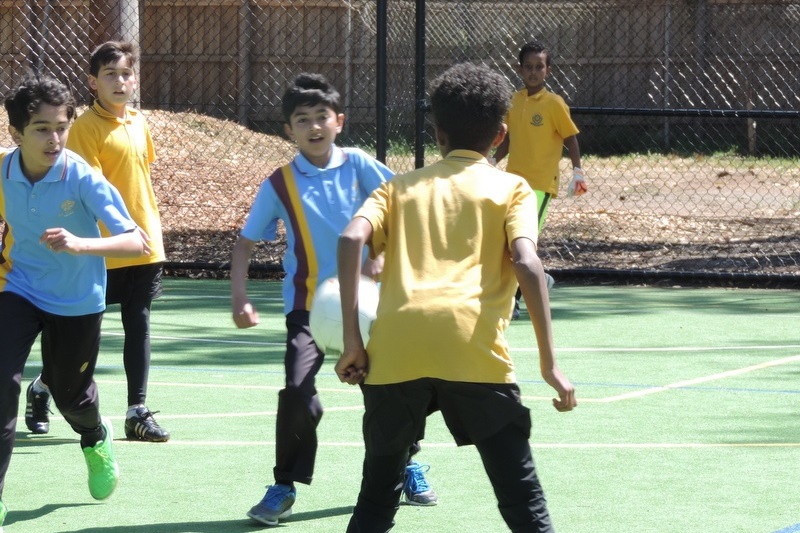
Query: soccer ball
x,y
325,319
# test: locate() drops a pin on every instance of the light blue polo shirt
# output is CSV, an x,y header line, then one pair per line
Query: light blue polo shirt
x,y
315,205
71,196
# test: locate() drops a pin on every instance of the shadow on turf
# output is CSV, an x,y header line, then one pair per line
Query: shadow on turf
x,y
223,526
26,440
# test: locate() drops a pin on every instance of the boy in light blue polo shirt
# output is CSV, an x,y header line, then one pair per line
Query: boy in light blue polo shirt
x,y
52,271
315,196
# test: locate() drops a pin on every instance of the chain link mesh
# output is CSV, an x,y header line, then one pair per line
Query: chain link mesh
x,y
688,110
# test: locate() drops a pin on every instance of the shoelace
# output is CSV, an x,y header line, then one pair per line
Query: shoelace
x,y
416,478
275,495
98,459
147,419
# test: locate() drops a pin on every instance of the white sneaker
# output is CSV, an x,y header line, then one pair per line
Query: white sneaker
x,y
550,281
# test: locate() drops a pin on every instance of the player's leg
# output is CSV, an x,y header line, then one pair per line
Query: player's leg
x,y
509,464
20,323
70,345
299,413
416,489
134,288
394,416
542,207
491,417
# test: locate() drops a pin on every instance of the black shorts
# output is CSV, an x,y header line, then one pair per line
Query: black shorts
x,y
472,411
134,282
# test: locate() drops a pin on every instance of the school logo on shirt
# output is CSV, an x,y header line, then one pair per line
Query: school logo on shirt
x,y
67,208
537,120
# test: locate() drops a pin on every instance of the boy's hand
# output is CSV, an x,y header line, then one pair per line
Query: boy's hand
x,y
245,316
60,240
352,366
577,186
566,392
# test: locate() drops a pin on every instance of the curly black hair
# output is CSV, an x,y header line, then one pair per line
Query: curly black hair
x,y
33,91
309,90
469,103
535,47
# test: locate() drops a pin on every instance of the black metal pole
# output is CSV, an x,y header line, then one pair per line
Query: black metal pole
x,y
419,87
381,71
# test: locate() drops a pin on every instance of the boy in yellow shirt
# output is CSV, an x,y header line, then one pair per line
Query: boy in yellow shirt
x,y
115,140
539,127
458,236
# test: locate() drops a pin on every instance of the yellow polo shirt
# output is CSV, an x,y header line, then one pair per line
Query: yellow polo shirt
x,y
447,287
122,150
537,127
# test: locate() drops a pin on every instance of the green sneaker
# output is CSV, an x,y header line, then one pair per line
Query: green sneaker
x,y
103,468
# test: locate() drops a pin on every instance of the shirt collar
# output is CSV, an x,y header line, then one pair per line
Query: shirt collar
x,y
306,168
466,156
100,111
56,173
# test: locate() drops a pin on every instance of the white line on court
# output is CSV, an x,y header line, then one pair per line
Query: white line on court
x,y
703,379
349,390
535,445
198,339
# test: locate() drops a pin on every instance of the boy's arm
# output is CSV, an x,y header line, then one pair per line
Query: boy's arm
x,y
571,144
128,244
530,275
244,315
352,365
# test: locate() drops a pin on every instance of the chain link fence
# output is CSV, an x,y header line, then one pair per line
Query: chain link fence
x,y
688,112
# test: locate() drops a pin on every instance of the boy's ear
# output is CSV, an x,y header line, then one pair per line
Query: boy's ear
x,y
500,135
287,129
339,122
441,139
92,82
16,136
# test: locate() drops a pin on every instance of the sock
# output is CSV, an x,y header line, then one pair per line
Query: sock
x,y
283,482
39,386
132,410
91,440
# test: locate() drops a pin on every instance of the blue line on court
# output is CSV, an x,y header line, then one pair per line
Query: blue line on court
x,y
791,529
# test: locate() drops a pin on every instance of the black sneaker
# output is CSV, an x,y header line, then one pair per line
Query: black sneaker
x,y
143,426
37,409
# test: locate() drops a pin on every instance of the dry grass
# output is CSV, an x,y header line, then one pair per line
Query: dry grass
x,y
723,213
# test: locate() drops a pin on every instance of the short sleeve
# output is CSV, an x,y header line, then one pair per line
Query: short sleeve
x,y
522,216
262,221
376,211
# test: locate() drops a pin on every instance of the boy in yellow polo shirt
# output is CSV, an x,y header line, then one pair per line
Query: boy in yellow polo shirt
x,y
539,127
458,237
115,140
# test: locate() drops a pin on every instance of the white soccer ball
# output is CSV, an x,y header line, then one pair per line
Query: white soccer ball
x,y
325,319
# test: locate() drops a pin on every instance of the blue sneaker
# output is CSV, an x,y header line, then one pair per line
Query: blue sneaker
x,y
416,489
276,505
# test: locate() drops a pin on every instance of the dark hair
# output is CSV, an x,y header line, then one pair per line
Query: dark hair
x,y
33,91
469,103
111,52
309,90
535,47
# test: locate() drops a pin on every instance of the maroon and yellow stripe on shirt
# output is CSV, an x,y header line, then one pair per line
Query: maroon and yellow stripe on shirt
x,y
307,265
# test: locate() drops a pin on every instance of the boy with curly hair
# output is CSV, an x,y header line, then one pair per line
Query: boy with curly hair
x,y
458,236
